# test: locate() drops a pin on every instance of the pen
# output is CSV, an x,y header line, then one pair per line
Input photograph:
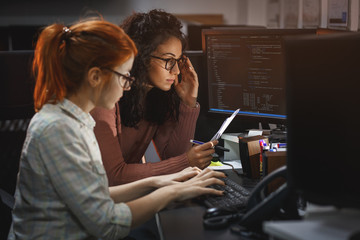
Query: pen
x,y
217,147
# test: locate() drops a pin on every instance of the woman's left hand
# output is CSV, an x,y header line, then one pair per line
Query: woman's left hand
x,y
170,179
187,89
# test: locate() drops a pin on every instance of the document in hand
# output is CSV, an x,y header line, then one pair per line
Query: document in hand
x,y
225,124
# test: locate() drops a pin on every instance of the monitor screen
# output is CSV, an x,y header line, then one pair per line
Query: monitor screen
x,y
245,69
322,75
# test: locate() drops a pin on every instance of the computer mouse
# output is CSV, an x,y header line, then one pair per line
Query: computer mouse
x,y
217,218
216,212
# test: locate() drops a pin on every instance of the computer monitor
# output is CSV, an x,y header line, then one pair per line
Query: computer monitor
x,y
194,33
16,110
17,81
245,69
322,75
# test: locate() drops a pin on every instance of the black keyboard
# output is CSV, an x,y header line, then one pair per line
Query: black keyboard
x,y
235,196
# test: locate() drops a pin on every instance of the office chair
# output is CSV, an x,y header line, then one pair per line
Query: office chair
x,y
13,124
16,110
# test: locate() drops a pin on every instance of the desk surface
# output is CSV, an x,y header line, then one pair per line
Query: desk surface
x,y
186,221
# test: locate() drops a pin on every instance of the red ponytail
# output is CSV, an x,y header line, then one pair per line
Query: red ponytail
x,y
63,56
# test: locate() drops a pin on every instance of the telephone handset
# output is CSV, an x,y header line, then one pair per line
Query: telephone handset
x,y
261,207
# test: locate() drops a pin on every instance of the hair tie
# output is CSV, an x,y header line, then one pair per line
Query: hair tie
x,y
66,33
66,30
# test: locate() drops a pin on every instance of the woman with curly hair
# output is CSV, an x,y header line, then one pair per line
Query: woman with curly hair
x,y
160,107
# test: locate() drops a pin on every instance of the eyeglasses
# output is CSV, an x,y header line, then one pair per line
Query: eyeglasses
x,y
170,62
128,79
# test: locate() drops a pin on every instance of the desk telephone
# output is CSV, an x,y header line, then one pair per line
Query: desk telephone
x,y
259,207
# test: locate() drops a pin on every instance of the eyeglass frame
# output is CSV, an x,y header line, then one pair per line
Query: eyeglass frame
x,y
128,79
166,60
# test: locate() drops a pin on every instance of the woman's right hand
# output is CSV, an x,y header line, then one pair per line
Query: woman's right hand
x,y
200,155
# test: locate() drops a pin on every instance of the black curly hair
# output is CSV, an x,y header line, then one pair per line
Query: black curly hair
x,y
148,31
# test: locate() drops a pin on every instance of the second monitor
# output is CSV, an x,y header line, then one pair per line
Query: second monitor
x,y
245,69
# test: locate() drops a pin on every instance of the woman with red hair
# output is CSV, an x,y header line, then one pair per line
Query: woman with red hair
x,y
62,190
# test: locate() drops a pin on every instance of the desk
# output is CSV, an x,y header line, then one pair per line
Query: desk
x,y
186,221
328,224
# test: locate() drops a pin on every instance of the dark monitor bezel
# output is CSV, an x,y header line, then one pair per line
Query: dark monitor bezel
x,y
322,72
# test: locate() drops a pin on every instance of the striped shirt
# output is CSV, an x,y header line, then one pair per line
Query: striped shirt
x,y
62,190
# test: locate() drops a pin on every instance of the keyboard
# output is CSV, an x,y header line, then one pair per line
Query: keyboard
x,y
235,196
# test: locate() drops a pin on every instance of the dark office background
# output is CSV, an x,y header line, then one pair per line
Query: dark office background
x,y
21,21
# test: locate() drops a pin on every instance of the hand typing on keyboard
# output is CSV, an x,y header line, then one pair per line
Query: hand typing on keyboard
x,y
235,196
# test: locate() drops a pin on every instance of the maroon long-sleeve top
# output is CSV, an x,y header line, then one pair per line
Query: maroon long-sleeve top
x,y
123,147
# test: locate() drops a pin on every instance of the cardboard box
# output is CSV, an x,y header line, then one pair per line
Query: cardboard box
x,y
250,151
271,162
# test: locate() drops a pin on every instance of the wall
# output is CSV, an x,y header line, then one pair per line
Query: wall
x,y
42,12
251,12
